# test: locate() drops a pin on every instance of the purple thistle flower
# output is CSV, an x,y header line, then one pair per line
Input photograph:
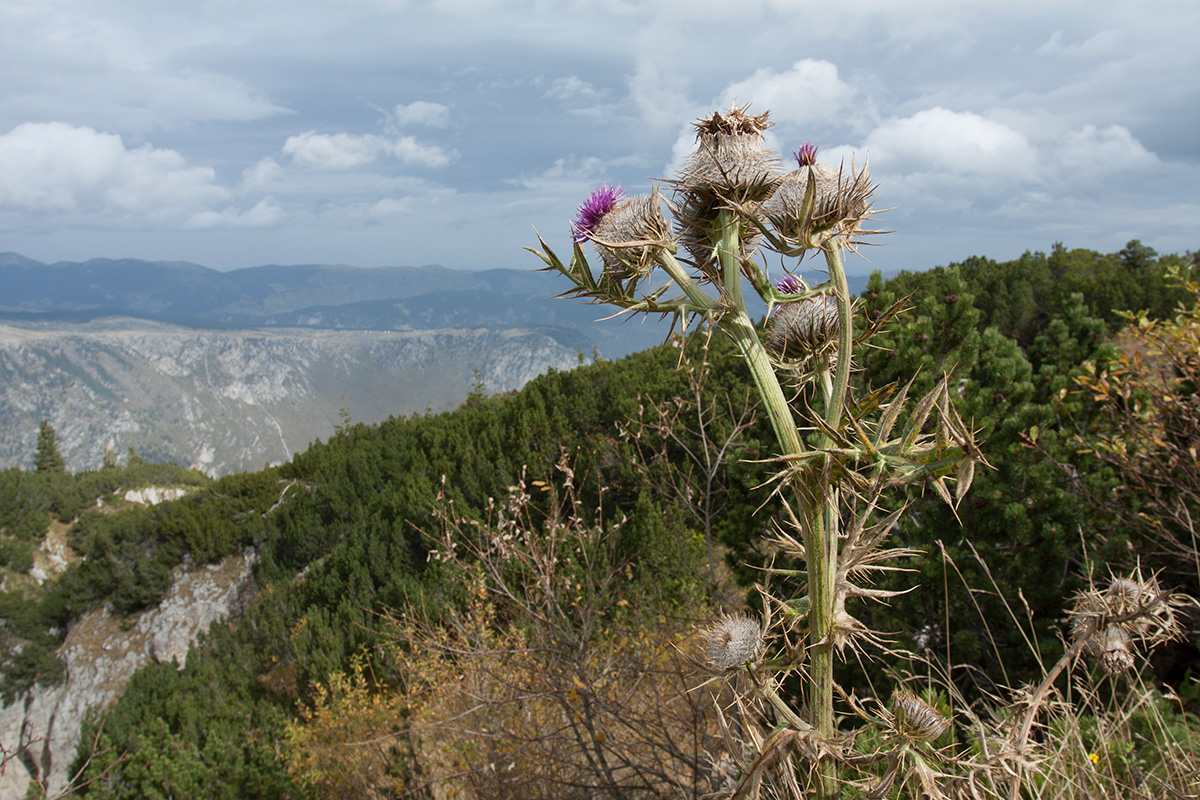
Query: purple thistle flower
x,y
789,284
601,201
806,155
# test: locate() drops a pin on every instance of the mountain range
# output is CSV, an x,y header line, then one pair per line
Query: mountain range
x,y
226,371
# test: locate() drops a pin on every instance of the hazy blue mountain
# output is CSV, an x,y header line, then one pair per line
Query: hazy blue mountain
x,y
310,296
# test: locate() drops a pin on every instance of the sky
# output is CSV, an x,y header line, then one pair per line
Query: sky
x,y
234,133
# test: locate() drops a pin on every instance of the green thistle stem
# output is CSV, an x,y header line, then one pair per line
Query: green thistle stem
x,y
818,510
821,540
684,281
742,331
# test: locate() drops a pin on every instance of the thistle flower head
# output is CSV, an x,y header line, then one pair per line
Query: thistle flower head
x,y
730,167
733,641
631,236
802,329
789,284
916,720
601,201
816,202
805,154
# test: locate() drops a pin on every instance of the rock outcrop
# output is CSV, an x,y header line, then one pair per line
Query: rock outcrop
x,y
101,654
232,401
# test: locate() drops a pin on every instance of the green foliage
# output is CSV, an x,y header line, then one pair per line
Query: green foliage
x,y
48,458
1016,335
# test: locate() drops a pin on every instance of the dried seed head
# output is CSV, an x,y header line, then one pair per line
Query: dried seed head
x,y
799,330
1113,648
730,167
816,202
916,720
733,641
1127,611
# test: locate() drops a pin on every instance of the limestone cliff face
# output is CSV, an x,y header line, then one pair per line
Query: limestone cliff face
x,y
229,401
102,653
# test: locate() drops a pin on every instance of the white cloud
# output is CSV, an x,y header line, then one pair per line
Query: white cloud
x,y
58,168
421,112
961,143
661,96
333,151
342,151
410,151
809,92
263,174
1091,155
265,214
571,172
569,88
1102,44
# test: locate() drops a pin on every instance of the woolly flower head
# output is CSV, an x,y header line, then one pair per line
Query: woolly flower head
x,y
733,641
816,202
731,166
802,329
628,233
601,201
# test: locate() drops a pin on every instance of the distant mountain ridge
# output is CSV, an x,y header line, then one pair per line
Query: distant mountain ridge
x,y
308,295
335,297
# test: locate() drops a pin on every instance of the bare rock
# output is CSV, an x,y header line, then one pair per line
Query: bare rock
x,y
101,653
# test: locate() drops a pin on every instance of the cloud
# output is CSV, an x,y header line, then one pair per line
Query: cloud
x,y
569,88
661,96
54,167
572,172
1091,155
807,93
333,151
410,151
265,214
421,112
343,151
1103,44
959,143
261,175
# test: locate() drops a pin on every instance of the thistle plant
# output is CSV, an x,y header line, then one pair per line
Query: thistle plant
x,y
734,212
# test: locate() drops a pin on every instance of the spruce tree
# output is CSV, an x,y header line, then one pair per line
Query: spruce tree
x,y
47,458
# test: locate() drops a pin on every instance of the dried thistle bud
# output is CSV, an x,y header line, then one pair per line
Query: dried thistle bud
x,y
628,233
733,641
916,720
1113,648
1129,610
731,166
799,330
816,202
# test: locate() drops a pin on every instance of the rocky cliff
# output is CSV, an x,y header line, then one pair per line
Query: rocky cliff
x,y
228,401
101,653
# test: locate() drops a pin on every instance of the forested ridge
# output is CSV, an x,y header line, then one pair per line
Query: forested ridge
x,y
345,530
